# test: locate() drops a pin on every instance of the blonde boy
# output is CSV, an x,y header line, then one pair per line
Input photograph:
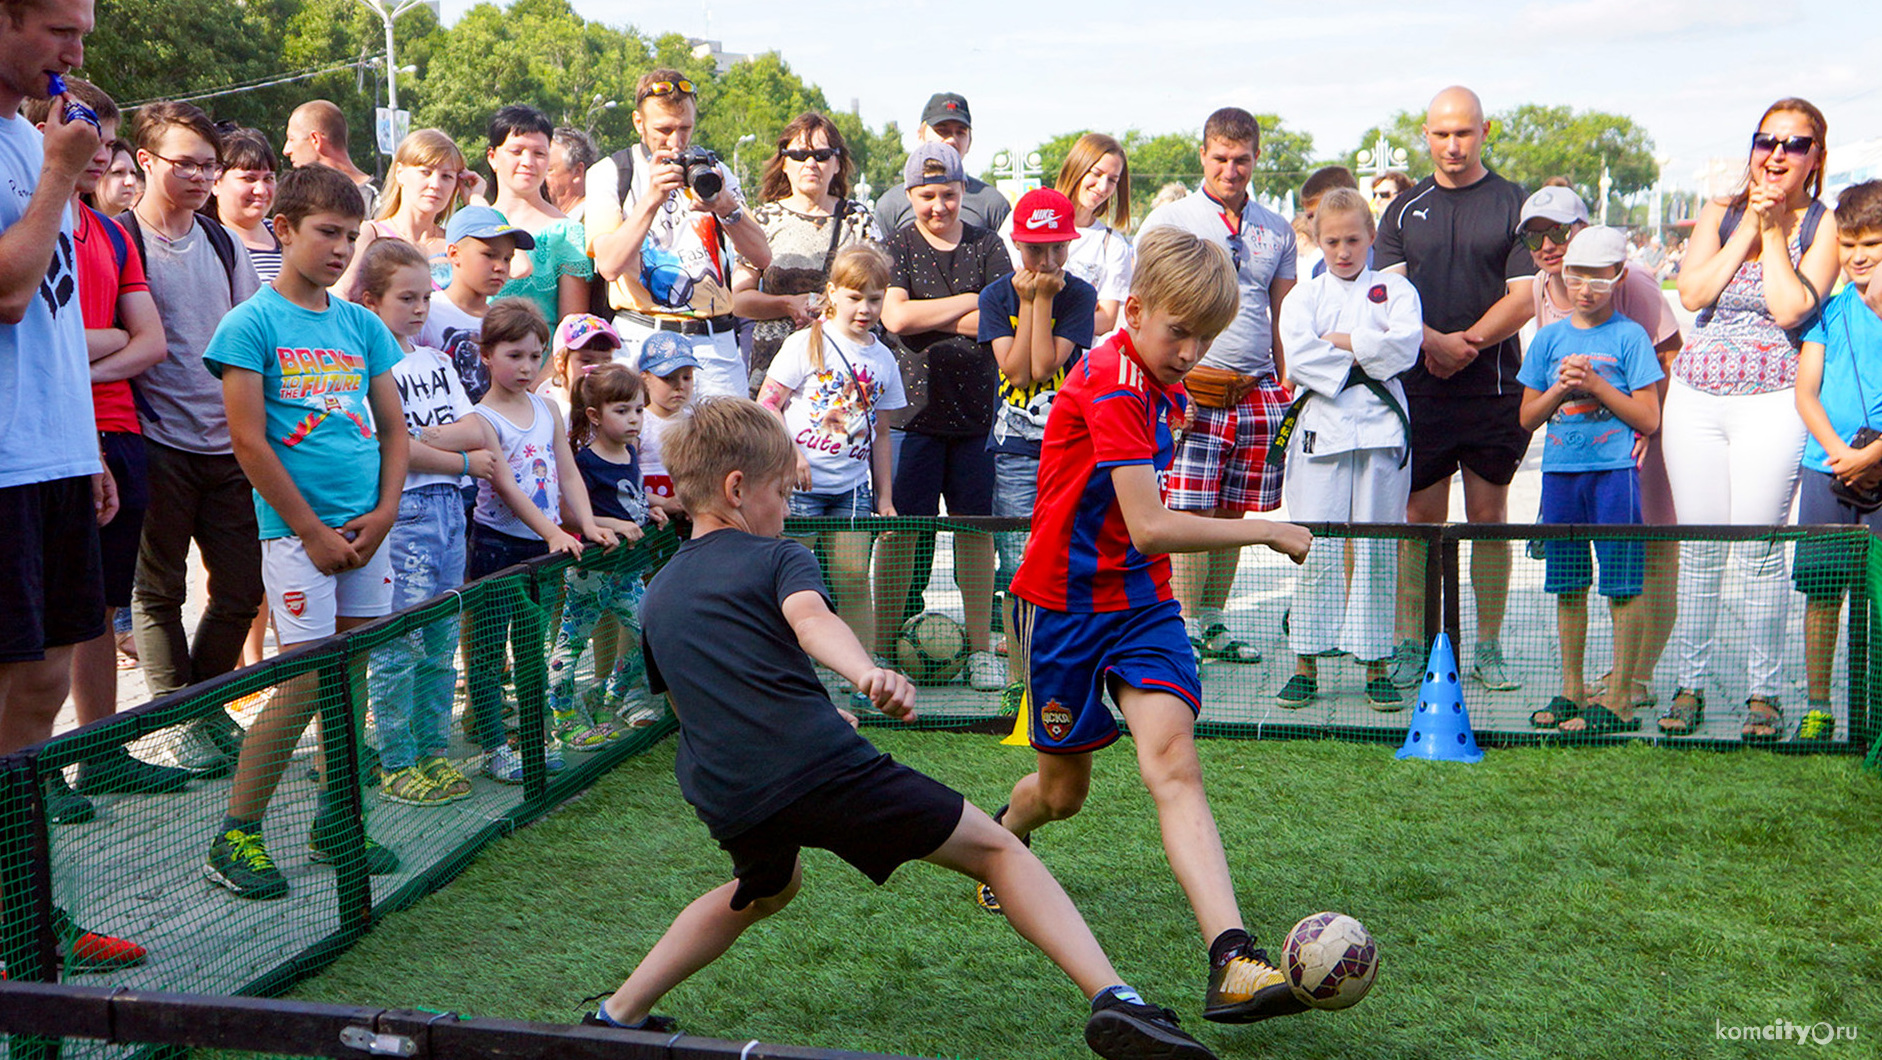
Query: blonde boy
x,y
1096,613
730,626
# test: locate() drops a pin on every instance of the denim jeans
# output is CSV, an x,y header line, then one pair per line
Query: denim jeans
x,y
857,503
412,677
1015,490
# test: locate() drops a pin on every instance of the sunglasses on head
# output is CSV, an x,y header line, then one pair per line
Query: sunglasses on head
x,y
1557,234
805,154
680,86
1792,145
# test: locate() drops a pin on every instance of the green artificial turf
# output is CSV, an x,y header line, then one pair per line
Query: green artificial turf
x,y
1543,903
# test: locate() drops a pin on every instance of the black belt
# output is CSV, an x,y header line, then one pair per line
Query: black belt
x,y
1277,449
684,325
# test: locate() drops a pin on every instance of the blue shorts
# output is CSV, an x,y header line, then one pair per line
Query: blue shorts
x,y
1611,496
1069,659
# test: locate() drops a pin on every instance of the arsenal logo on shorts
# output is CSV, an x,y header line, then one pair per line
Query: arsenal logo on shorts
x,y
295,601
1056,719
1377,295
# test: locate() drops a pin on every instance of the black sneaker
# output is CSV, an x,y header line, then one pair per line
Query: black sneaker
x,y
380,860
1244,987
116,772
239,861
1129,1030
65,806
655,1023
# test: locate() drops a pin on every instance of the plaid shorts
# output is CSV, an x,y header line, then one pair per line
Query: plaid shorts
x,y
1222,460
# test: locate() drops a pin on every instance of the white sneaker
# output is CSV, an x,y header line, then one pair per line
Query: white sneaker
x,y
504,765
986,672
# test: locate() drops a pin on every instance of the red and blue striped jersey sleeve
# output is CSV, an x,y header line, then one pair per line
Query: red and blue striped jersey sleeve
x,y
1109,414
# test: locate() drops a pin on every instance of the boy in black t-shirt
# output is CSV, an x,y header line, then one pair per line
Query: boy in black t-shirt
x,y
771,766
941,266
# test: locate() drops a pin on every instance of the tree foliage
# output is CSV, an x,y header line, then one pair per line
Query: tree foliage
x,y
531,51
1533,142
1176,157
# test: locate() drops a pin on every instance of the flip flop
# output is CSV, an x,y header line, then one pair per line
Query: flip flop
x,y
1600,721
1559,710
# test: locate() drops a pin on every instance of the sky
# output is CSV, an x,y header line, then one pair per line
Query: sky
x,y
1695,73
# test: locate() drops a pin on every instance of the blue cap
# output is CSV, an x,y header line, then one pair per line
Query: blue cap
x,y
664,353
483,222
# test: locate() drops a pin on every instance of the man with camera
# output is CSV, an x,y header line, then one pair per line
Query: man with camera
x,y
664,220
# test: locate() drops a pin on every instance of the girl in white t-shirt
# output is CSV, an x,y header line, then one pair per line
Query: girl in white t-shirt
x,y
1094,172
413,677
829,383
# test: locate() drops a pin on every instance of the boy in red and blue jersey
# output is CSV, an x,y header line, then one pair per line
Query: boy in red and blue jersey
x,y
1096,613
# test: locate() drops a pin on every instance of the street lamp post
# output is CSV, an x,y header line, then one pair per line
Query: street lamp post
x,y
742,141
595,107
388,12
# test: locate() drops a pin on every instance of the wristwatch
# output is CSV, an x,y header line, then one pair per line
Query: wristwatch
x,y
737,215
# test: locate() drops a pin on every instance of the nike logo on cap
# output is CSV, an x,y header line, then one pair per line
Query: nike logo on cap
x,y
1042,219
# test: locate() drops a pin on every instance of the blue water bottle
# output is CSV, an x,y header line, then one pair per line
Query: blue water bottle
x,y
74,110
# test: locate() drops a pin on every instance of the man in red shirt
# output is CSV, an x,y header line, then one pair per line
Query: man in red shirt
x,y
1096,613
124,336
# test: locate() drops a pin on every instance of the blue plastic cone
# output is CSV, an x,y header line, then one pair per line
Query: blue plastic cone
x,y
1440,727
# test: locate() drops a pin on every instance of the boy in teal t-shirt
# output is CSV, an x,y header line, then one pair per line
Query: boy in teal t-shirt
x,y
306,380
1839,397
1590,378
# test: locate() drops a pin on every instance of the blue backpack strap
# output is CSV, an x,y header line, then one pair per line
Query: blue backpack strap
x,y
120,243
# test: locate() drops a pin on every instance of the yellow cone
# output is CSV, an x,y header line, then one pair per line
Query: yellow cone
x,y
1020,736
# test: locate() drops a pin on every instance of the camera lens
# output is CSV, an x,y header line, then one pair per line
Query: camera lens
x,y
704,179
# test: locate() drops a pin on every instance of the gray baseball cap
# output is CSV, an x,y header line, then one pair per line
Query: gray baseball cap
x,y
933,151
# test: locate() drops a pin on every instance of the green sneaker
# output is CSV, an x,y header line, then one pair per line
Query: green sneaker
x,y
239,861
1818,724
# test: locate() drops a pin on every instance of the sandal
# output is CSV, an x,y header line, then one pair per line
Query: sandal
x,y
1559,710
1771,718
1686,714
1598,720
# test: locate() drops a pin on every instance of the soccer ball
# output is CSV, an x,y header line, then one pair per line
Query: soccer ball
x,y
931,649
1330,960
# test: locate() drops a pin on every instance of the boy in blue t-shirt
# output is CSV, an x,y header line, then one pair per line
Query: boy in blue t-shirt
x,y
1039,322
1590,378
1839,396
307,380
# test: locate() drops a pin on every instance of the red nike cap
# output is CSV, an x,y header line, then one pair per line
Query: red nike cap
x,y
1043,215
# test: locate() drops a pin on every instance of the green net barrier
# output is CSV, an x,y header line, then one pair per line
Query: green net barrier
x,y
1727,612
914,588
136,871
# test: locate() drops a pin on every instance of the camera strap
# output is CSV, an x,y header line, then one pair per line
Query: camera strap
x,y
1855,368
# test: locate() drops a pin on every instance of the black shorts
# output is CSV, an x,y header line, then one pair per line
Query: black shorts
x,y
876,817
51,582
1482,433
929,467
119,538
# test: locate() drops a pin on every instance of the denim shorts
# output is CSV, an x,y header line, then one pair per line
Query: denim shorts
x,y
858,503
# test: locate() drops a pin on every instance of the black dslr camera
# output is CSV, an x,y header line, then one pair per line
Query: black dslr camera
x,y
1863,500
701,171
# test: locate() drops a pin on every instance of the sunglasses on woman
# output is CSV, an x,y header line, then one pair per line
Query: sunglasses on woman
x,y
805,154
1557,234
1792,145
